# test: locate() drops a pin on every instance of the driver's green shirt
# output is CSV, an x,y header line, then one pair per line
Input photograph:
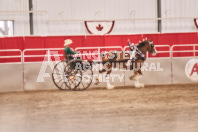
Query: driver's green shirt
x,y
68,51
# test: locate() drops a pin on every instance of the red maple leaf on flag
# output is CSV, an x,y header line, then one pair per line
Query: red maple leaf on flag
x,y
99,27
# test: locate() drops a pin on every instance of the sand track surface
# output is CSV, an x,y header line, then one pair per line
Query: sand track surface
x,y
151,109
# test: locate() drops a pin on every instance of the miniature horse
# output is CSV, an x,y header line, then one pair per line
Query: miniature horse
x,y
121,57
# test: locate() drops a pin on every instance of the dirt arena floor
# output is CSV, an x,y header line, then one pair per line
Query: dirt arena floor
x,y
150,109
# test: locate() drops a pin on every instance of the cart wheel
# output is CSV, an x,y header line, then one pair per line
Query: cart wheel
x,y
87,76
73,75
59,76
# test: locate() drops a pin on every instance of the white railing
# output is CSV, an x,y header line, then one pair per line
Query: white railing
x,y
12,56
49,55
184,51
47,50
164,51
170,49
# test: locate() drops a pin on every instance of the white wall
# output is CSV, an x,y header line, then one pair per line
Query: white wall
x,y
179,8
21,19
99,9
94,10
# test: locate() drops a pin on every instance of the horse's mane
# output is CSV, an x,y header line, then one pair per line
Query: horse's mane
x,y
141,44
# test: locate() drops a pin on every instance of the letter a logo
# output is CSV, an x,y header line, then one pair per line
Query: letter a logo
x,y
194,69
191,69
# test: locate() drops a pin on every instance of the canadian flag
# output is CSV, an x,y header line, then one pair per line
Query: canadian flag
x,y
99,27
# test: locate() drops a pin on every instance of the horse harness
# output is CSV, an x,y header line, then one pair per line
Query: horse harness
x,y
136,51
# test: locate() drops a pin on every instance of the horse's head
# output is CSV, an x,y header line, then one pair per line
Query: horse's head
x,y
151,48
147,45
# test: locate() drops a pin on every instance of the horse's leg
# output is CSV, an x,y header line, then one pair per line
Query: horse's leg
x,y
136,66
109,70
137,75
103,68
101,71
109,86
96,79
137,84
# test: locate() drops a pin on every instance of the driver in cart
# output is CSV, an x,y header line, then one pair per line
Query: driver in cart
x,y
69,52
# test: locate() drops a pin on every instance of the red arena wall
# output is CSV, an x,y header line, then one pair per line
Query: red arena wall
x,y
32,42
93,41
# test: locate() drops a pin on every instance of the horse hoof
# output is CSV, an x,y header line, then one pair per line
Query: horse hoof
x,y
141,85
110,87
138,85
